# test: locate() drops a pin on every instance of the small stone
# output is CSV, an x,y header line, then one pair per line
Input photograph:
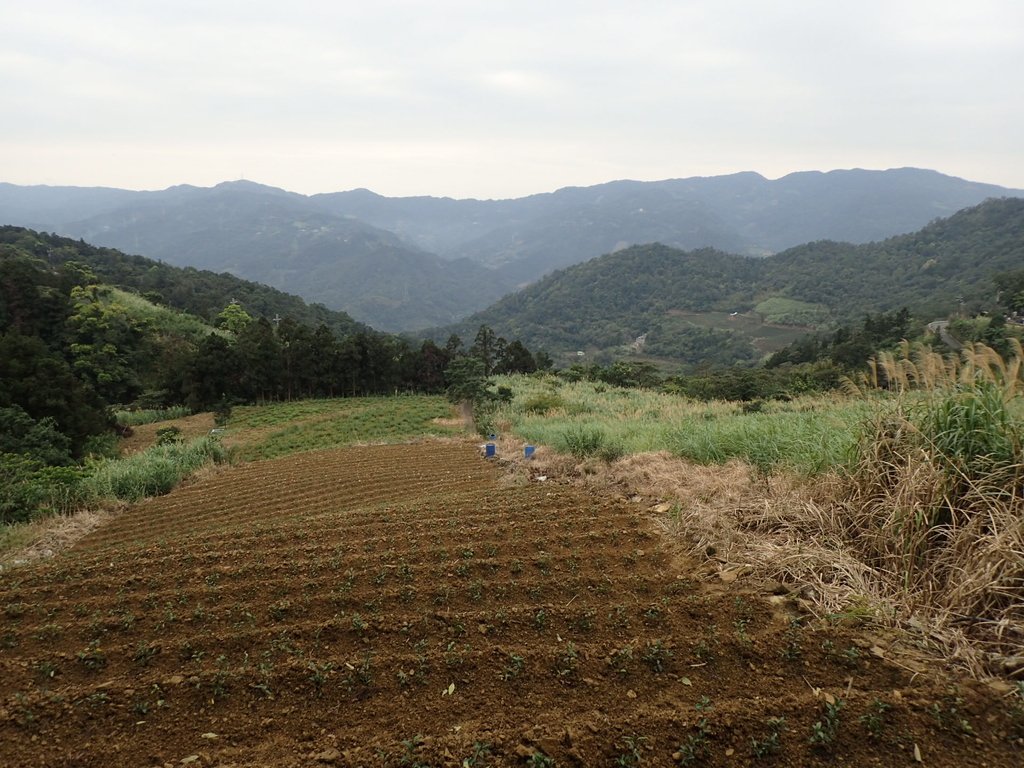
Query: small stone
x,y
631,694
210,736
189,760
329,755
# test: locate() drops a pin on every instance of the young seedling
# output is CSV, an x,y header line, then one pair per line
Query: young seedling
x,y
364,672
622,659
144,653
219,683
567,664
280,609
513,668
825,731
479,755
633,747
769,745
318,674
657,656
695,749
874,719
543,563
585,620
359,624
46,670
792,651
92,658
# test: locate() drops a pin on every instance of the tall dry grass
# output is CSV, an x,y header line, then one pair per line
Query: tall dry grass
x,y
935,505
928,524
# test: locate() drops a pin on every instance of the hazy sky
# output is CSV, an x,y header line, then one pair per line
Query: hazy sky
x,y
499,99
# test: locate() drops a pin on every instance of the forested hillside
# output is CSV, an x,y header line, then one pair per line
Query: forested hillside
x,y
695,306
199,292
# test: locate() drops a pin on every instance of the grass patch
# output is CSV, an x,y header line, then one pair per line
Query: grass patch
x,y
153,472
808,435
285,428
782,311
164,320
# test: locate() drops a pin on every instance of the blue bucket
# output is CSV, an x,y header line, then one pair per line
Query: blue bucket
x,y
528,451
490,450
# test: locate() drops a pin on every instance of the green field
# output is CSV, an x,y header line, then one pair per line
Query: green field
x,y
275,430
807,435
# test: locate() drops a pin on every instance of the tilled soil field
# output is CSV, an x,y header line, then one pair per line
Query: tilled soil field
x,y
415,606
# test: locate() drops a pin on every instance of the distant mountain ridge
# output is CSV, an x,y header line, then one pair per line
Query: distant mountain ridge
x,y
413,262
689,304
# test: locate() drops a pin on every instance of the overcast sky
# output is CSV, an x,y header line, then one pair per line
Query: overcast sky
x,y
500,99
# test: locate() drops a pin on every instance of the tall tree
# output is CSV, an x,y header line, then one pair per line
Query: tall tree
x,y
485,348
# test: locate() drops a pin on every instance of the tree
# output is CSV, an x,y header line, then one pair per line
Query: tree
x,y
259,355
233,318
467,381
38,440
516,358
326,362
485,347
213,374
107,346
41,383
297,348
433,360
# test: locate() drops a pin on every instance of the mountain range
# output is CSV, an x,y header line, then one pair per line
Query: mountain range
x,y
415,262
707,306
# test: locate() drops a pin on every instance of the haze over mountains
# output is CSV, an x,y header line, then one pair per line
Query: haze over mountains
x,y
408,263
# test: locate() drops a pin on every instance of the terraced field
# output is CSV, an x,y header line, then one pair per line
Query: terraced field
x,y
413,605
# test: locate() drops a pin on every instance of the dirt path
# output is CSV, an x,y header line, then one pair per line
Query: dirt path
x,y
413,605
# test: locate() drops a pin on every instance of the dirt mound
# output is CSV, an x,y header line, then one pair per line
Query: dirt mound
x,y
410,605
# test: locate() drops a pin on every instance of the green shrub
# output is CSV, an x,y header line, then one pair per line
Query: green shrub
x,y
29,488
222,412
168,435
583,441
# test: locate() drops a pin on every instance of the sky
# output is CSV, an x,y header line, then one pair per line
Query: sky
x,y
494,99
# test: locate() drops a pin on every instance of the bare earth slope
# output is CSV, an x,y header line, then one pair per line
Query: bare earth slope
x,y
412,605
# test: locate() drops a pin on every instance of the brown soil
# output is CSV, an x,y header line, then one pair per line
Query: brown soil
x,y
416,605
